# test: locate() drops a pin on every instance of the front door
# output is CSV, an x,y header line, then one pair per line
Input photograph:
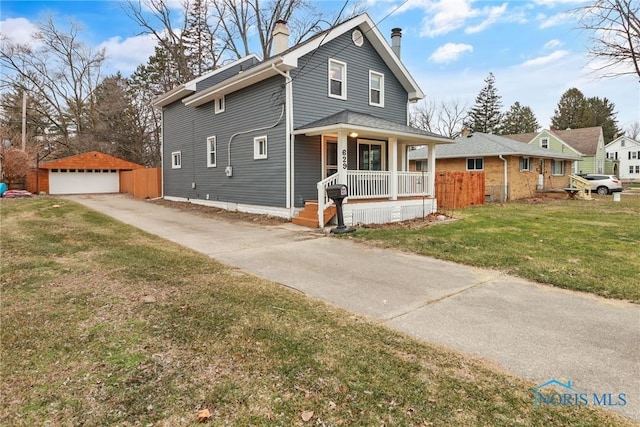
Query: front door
x,y
370,156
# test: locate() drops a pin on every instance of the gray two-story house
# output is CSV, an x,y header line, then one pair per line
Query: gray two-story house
x,y
268,136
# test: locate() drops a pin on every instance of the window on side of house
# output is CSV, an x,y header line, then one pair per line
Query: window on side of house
x,y
525,164
337,79
376,89
260,147
557,167
631,169
637,168
211,152
219,105
176,159
475,164
544,143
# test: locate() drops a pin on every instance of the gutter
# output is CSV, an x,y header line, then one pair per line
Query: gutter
x,y
288,135
505,176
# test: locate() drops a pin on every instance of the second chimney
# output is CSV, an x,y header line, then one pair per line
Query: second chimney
x,y
396,39
280,37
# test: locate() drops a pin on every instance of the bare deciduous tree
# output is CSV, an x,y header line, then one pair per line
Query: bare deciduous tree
x,y
444,119
615,25
633,131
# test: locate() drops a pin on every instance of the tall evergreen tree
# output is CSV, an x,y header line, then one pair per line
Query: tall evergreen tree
x,y
572,111
519,119
485,115
602,114
198,39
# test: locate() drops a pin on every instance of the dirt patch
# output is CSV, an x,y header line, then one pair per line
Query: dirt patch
x,y
212,212
412,224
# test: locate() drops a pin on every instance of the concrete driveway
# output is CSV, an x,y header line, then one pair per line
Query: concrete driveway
x,y
534,331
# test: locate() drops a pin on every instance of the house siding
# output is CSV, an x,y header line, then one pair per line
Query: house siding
x,y
257,182
310,83
623,155
308,168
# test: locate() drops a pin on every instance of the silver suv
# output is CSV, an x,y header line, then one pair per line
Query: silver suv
x,y
603,184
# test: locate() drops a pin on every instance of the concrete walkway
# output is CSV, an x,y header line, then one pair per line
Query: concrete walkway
x,y
535,331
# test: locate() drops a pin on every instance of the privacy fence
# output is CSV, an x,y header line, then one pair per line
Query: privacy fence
x,y
455,190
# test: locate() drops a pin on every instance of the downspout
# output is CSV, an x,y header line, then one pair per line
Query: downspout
x,y
290,203
506,186
162,152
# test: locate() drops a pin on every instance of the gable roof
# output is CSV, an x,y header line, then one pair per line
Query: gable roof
x,y
480,144
91,160
625,138
584,140
366,123
288,60
522,137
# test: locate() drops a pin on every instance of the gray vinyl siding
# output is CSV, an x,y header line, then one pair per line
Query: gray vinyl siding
x,y
258,182
223,75
308,168
310,83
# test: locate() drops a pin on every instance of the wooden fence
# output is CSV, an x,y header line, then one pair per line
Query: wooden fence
x,y
142,183
455,190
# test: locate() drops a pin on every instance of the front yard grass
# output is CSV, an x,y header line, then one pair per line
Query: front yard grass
x,y
102,324
591,246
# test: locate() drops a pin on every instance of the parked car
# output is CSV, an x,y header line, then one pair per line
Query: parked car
x,y
603,184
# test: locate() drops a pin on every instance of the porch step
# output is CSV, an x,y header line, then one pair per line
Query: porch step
x,y
308,217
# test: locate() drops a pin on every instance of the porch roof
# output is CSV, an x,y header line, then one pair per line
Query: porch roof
x,y
369,126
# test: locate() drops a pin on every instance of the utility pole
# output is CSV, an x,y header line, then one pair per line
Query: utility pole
x,y
24,120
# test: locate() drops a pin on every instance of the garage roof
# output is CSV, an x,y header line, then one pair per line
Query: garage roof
x,y
91,160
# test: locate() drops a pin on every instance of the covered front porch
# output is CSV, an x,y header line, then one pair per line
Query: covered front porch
x,y
369,156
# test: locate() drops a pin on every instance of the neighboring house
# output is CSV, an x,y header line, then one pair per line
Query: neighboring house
x,y
588,143
520,169
86,173
269,136
627,152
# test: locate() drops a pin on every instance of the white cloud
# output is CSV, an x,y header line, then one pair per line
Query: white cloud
x,y
441,16
125,55
19,30
553,44
493,14
450,52
557,19
543,60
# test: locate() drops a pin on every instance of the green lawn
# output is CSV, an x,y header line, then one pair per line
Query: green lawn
x,y
102,324
591,246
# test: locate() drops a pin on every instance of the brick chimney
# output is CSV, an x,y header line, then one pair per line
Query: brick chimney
x,y
280,37
396,40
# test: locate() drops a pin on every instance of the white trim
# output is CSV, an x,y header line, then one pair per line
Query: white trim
x,y
219,105
542,141
176,155
381,212
231,206
383,158
210,140
357,38
372,132
381,90
257,145
343,76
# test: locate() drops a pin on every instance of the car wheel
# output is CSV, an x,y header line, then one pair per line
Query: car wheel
x,y
603,191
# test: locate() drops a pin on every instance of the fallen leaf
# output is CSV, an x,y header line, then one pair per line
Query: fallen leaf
x,y
306,415
204,415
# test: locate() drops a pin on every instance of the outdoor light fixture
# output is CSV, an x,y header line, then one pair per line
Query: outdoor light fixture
x,y
353,134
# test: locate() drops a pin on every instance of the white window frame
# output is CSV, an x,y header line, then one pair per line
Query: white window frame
x,y
257,143
544,143
212,149
526,160
562,167
343,76
381,76
218,105
475,159
176,159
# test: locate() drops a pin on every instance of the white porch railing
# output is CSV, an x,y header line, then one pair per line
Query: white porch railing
x,y
373,185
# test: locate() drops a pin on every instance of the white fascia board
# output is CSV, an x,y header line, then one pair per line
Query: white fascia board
x,y
173,95
405,136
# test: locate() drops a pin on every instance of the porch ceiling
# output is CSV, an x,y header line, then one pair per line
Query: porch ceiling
x,y
368,126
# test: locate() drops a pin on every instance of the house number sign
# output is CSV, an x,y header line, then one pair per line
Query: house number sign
x,y
344,159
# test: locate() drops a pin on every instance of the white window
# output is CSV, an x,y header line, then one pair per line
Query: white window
x,y
260,147
525,164
476,164
337,79
376,89
557,167
211,152
357,38
176,160
544,142
218,106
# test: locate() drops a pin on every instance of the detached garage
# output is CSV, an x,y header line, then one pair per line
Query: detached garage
x,y
86,173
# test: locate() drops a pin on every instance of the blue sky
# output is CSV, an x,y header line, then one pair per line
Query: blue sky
x,y
449,46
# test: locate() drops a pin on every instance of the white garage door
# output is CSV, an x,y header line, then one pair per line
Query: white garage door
x,y
81,181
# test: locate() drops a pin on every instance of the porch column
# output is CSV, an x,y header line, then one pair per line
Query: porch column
x,y
431,158
343,164
393,167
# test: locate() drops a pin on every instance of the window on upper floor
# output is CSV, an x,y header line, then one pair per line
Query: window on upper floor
x,y
475,164
176,160
376,89
211,152
525,164
260,147
634,154
219,105
544,142
337,79
622,143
